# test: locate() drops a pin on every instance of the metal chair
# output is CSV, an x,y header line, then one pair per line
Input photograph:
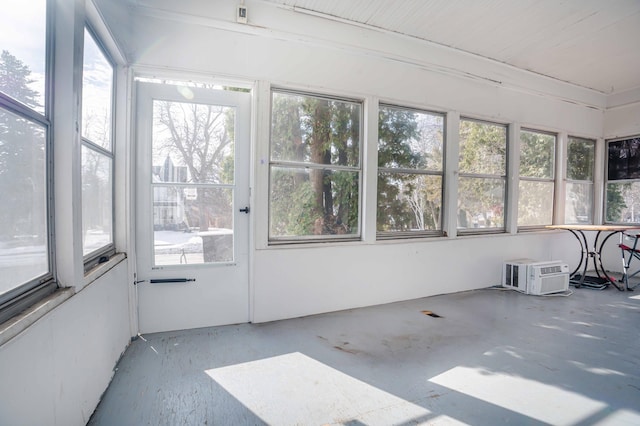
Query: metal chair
x,y
629,252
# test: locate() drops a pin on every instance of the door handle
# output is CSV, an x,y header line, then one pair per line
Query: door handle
x,y
245,210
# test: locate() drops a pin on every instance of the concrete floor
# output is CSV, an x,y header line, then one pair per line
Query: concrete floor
x,y
492,357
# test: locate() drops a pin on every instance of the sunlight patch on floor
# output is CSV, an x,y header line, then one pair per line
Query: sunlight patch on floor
x,y
531,398
296,389
621,417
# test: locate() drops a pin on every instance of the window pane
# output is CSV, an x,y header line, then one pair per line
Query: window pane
x,y
623,202
535,204
97,94
481,203
580,159
306,202
315,130
23,52
192,225
410,139
537,151
23,216
97,201
483,148
624,159
578,207
409,202
193,143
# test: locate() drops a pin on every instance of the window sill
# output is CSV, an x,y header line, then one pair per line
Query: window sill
x,y
102,268
16,325
19,323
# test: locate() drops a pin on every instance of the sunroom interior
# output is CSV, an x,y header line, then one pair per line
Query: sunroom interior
x,y
170,169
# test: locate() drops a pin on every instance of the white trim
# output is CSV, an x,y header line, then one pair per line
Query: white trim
x,y
19,323
513,177
451,174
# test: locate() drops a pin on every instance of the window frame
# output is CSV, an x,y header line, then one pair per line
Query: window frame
x,y
26,294
288,164
390,235
551,180
504,178
103,253
591,182
607,181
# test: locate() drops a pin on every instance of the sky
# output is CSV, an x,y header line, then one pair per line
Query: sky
x,y
23,34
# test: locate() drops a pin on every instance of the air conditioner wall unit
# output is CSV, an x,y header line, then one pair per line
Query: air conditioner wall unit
x,y
514,274
534,277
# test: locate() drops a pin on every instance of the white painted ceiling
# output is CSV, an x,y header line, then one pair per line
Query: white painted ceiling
x,y
590,43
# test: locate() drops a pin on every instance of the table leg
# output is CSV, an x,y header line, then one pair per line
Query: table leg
x,y
599,259
584,258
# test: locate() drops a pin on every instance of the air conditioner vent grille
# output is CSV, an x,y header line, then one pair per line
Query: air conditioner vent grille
x,y
551,270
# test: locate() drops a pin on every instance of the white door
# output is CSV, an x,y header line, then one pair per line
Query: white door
x,y
192,212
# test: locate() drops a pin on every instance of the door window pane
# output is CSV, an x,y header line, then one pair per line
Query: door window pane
x,y
193,142
192,225
193,147
23,217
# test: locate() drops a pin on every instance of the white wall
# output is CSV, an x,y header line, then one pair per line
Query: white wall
x,y
622,117
55,371
287,49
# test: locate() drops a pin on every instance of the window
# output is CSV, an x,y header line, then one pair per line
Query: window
x,y
537,164
410,170
579,188
97,150
314,169
623,181
483,177
25,242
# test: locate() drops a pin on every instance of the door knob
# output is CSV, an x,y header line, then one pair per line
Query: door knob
x,y
245,210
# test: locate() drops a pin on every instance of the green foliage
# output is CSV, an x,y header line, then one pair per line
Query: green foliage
x,y
395,128
412,141
616,202
580,159
483,149
321,133
537,152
